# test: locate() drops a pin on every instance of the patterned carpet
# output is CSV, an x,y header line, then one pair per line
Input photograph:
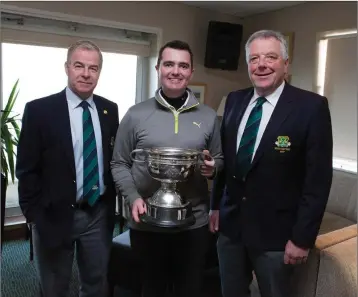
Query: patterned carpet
x,y
18,274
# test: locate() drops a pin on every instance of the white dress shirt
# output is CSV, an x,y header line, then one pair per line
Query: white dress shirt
x,y
76,112
267,110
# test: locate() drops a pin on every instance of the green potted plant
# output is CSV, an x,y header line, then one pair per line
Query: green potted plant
x,y
9,138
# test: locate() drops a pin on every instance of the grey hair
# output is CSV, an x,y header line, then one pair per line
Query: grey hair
x,y
264,34
85,44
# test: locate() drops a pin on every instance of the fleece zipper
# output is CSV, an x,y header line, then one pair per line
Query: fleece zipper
x,y
176,114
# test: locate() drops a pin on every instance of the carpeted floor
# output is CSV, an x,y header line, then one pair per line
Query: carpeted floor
x,y
17,272
18,275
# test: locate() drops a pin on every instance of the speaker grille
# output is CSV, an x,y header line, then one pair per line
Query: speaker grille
x,y
223,45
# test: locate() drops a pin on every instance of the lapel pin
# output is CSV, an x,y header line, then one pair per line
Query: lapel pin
x,y
105,111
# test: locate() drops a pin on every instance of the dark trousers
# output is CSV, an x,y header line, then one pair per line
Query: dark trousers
x,y
237,262
3,205
171,261
91,238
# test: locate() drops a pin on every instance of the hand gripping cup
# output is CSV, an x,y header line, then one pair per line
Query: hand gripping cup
x,y
166,208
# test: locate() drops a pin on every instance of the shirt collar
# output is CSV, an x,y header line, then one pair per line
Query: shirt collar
x,y
73,100
272,98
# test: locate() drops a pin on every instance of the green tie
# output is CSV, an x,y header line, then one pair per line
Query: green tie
x,y
248,139
91,191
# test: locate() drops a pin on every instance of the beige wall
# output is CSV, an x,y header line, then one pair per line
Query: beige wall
x,y
305,20
177,21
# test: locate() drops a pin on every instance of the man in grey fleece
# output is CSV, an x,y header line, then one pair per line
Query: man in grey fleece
x,y
173,118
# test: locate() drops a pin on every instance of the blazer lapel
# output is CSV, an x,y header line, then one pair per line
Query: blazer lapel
x,y
102,115
64,124
282,110
240,113
242,109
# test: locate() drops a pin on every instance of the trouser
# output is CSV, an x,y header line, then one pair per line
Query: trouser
x,y
237,262
91,237
171,261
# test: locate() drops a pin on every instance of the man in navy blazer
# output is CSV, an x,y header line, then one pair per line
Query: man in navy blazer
x,y
66,189
268,202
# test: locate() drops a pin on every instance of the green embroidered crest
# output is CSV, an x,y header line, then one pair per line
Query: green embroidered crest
x,y
282,144
283,141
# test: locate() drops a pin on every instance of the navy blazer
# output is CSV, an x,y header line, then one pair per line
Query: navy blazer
x,y
285,192
45,164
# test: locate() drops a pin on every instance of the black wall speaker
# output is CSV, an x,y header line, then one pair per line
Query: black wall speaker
x,y
223,45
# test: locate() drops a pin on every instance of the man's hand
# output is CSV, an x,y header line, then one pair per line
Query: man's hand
x,y
139,207
208,169
294,254
214,221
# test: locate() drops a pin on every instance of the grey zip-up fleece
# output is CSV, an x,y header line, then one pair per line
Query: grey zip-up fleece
x,y
154,123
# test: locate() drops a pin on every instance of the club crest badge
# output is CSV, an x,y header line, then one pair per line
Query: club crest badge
x,y
283,144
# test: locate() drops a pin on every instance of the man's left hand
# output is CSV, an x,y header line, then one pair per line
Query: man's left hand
x,y
294,254
208,168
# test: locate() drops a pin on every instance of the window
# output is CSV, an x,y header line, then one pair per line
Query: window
x,y
41,72
34,45
337,80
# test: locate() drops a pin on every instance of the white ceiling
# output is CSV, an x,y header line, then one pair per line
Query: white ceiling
x,y
242,8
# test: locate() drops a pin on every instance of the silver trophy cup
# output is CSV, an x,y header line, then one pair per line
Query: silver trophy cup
x,y
166,208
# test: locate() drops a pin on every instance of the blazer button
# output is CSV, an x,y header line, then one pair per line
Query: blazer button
x,y
243,198
234,177
74,181
244,179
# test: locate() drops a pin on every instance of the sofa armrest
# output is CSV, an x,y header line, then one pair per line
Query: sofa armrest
x,y
329,239
337,275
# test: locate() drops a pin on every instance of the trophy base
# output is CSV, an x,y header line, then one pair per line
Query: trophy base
x,y
176,217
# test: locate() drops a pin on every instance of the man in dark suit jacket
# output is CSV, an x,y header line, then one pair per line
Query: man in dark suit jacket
x,y
268,202
65,185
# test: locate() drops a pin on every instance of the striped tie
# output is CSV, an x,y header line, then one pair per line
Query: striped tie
x,y
247,142
91,190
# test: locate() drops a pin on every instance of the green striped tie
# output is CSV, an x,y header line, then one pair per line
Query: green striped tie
x,y
91,191
248,139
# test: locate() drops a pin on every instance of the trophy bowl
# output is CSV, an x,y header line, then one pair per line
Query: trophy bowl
x,y
166,208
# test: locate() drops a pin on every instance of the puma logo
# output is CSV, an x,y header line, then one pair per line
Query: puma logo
x,y
195,123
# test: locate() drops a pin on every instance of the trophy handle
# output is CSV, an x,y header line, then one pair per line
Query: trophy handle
x,y
137,151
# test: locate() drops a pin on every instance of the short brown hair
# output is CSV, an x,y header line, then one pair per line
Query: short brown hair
x,y
85,44
178,45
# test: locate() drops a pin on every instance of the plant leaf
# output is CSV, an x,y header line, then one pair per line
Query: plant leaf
x,y
10,132
10,103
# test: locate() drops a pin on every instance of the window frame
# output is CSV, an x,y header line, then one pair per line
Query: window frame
x,y
322,39
143,68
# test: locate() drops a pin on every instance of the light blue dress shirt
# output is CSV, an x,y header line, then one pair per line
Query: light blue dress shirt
x,y
76,112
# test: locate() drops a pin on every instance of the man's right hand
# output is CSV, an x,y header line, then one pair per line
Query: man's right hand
x,y
138,208
214,221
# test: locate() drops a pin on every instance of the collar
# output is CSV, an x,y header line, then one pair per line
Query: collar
x,y
168,105
272,98
73,100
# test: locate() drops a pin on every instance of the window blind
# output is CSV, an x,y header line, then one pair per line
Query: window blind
x,y
31,30
341,90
